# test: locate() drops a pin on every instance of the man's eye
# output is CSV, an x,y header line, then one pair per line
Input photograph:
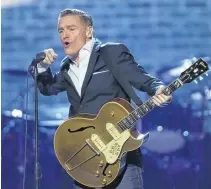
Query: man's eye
x,y
60,31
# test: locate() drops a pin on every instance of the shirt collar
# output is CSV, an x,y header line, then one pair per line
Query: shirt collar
x,y
87,47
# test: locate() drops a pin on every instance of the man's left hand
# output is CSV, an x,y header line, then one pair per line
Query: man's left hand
x,y
160,99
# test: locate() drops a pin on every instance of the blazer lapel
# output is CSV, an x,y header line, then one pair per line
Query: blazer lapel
x,y
92,62
64,68
66,75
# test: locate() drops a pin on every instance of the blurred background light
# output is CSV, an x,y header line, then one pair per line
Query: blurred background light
x,y
17,113
12,3
159,128
185,133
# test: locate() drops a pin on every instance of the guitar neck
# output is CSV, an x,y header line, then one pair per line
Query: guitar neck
x,y
129,121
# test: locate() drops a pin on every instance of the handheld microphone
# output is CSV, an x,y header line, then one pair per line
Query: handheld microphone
x,y
39,57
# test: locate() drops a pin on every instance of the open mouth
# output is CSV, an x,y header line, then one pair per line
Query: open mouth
x,y
66,44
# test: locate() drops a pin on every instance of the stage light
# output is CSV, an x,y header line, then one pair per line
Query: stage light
x,y
20,168
185,133
159,128
17,113
196,96
59,116
12,3
177,71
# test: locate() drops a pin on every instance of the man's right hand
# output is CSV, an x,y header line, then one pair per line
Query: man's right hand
x,y
50,56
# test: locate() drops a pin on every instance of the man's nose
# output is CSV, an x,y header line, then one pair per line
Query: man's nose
x,y
65,34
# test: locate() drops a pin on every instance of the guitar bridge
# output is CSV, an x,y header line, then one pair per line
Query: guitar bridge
x,y
88,143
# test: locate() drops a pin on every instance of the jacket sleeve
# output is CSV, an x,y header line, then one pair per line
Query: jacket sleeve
x,y
138,77
49,84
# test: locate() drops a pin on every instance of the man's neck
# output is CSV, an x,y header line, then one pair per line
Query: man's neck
x,y
75,57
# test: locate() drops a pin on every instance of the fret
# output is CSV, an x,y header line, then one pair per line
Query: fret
x,y
119,124
152,103
129,119
126,127
122,126
177,83
139,110
144,108
150,106
135,115
167,91
132,117
172,87
125,122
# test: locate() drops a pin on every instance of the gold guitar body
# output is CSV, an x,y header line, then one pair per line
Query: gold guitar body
x,y
92,148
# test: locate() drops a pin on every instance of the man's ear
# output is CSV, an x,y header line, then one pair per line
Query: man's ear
x,y
89,32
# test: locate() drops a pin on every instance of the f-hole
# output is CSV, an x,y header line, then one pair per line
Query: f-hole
x,y
80,129
104,170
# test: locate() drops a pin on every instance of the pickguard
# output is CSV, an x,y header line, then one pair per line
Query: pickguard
x,y
112,149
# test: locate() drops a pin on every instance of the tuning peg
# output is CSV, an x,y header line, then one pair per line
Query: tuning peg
x,y
201,78
206,73
195,81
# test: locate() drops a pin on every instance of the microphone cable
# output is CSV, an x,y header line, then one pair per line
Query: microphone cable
x,y
26,129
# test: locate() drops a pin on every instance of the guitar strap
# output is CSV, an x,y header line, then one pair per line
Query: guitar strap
x,y
124,83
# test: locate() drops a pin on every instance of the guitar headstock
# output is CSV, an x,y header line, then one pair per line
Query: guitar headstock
x,y
195,70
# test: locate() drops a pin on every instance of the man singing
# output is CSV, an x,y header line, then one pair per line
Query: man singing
x,y
89,81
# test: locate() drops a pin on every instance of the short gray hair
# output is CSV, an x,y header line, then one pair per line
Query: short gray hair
x,y
76,12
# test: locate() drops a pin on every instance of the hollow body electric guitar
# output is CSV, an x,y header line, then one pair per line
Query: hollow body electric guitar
x,y
92,148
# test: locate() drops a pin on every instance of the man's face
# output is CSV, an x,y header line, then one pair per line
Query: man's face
x,y
74,33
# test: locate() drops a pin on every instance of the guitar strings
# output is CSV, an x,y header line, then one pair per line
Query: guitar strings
x,y
171,86
127,126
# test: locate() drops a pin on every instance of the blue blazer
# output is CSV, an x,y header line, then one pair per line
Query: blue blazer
x,y
100,85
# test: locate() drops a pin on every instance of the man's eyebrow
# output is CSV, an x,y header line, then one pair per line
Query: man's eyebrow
x,y
68,26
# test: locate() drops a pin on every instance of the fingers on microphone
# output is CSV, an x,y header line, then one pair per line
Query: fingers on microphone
x,y
46,60
49,58
53,54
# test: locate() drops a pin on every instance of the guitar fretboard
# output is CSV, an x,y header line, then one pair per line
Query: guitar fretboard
x,y
129,121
